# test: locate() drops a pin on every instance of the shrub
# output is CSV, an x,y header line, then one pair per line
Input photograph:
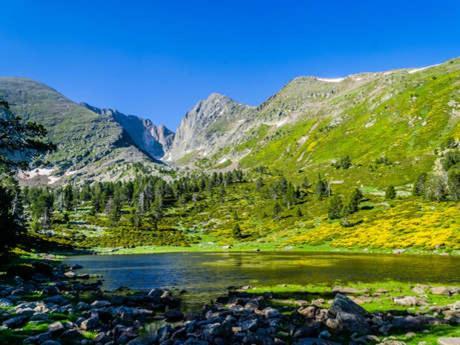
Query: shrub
x,y
390,193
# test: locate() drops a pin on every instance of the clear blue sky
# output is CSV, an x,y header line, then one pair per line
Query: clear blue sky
x,y
158,58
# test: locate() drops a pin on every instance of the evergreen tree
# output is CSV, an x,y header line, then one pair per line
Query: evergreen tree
x,y
115,210
353,202
277,210
259,184
68,195
454,183
390,193
322,188
237,231
419,185
299,212
335,207
19,142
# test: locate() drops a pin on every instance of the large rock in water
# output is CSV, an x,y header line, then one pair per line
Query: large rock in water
x,y
347,316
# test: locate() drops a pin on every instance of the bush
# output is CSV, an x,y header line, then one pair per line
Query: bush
x,y
390,193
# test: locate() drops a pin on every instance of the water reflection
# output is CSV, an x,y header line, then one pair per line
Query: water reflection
x,y
206,275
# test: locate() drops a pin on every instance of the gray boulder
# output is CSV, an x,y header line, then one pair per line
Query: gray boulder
x,y
347,316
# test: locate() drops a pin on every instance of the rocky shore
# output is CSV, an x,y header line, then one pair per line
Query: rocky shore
x,y
54,304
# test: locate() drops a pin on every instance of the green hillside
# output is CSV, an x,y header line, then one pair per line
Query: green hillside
x,y
88,143
389,124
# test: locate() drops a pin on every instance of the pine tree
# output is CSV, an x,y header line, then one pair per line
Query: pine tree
x,y
237,231
390,193
322,188
353,202
299,212
419,185
453,177
277,210
335,207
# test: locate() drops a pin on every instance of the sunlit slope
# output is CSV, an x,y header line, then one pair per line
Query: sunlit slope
x,y
389,124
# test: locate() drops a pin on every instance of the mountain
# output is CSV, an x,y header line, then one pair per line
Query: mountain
x,y
400,117
91,145
207,127
153,140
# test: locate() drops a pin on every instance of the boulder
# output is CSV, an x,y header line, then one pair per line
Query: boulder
x,y
408,301
440,290
43,268
100,304
449,341
348,316
173,315
57,299
90,324
5,303
315,341
23,271
56,327
15,322
347,290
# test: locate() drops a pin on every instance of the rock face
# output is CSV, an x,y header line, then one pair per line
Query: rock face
x,y
151,139
208,126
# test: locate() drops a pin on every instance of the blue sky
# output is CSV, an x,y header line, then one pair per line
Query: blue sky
x,y
158,58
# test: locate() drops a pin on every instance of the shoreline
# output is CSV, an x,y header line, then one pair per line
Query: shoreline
x,y
57,304
266,249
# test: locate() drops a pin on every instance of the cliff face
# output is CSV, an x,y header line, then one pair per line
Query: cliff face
x,y
151,139
207,127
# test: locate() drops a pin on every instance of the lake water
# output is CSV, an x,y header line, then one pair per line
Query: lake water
x,y
207,275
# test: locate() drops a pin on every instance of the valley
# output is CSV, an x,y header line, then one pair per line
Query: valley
x,y
328,214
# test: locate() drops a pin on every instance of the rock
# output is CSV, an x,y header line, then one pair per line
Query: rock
x,y
249,325
56,327
408,301
347,290
57,299
449,341
70,274
270,313
90,324
43,268
102,338
100,304
5,303
173,315
315,341
411,323
349,316
51,342
51,290
308,312
39,317
23,271
419,289
440,290
307,331
15,322
81,306
71,335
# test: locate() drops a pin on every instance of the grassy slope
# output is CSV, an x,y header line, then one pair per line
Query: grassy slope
x,y
86,140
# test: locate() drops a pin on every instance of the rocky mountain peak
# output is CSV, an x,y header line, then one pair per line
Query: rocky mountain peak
x,y
153,140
